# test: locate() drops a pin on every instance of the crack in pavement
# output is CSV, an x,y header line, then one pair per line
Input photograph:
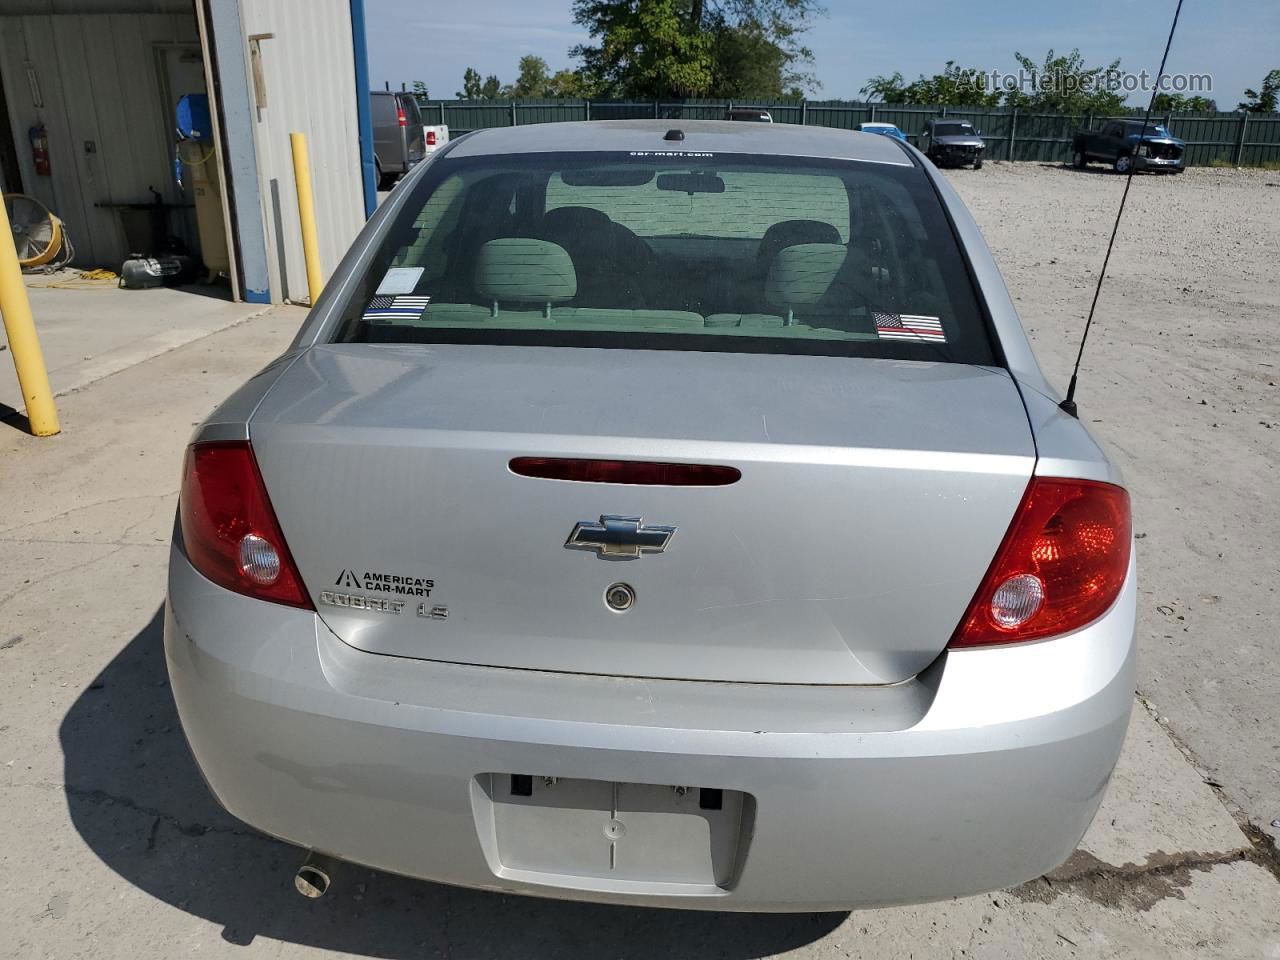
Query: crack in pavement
x,y
1263,851
4,531
187,829
29,541
36,581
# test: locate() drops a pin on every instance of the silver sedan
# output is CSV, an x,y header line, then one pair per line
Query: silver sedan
x,y
671,517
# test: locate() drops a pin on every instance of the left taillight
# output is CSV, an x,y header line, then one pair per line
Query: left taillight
x,y
431,138
229,530
401,117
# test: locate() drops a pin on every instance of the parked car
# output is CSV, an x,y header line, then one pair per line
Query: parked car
x,y
751,114
1123,143
953,143
398,137
676,528
884,129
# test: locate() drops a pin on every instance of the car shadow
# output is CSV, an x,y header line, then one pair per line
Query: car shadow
x,y
137,799
1098,169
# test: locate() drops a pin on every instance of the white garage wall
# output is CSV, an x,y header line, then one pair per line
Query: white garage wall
x,y
97,79
308,72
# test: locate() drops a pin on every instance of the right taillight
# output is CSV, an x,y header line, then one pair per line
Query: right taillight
x,y
1060,567
229,531
431,138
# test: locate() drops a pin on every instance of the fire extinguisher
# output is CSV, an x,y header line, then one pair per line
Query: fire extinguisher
x,y
39,149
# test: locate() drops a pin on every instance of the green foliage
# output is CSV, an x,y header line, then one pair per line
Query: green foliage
x,y
1063,84
568,84
1264,100
533,77
953,87
535,80
646,48
473,88
650,49
420,90
1178,103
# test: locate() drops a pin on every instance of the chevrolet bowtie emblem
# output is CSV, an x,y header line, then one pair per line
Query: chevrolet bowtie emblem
x,y
620,538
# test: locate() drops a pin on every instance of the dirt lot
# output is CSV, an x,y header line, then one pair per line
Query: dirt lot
x,y
1180,382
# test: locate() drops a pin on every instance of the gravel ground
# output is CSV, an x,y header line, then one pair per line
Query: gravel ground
x,y
1180,382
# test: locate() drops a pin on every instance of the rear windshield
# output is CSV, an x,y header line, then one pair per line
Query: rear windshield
x,y
953,130
673,251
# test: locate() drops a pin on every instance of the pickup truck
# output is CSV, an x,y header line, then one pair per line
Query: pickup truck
x,y
1124,144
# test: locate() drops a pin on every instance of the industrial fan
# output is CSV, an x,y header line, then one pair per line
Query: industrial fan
x,y
37,232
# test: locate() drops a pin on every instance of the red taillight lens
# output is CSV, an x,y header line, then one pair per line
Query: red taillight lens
x,y
431,138
400,115
229,529
640,472
1060,567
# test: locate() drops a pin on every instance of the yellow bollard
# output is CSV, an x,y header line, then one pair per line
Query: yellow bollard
x,y
307,214
20,327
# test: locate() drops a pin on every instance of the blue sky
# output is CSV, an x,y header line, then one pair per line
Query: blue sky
x,y
1234,40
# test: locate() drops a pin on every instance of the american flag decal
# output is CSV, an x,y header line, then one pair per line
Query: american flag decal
x,y
892,326
384,308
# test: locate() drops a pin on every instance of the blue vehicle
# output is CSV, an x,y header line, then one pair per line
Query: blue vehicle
x,y
884,129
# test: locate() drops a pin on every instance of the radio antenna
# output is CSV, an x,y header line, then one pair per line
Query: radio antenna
x,y
1069,404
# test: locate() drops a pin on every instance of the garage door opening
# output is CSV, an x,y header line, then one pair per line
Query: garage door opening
x,y
107,125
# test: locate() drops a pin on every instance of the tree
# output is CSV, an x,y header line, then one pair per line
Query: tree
x,y
691,48
473,88
647,48
953,87
1063,84
1178,103
533,78
569,85
1264,100
891,88
746,62
420,90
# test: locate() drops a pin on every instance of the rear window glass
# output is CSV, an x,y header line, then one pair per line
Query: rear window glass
x,y
673,251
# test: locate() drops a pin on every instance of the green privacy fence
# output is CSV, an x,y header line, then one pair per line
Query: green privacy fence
x,y
1223,138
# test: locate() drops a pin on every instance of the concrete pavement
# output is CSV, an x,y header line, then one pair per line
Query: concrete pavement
x,y
110,845
90,331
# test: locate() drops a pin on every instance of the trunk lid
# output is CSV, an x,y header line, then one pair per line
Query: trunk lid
x,y
872,498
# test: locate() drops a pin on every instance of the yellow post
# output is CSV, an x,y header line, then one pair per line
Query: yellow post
x,y
23,342
307,214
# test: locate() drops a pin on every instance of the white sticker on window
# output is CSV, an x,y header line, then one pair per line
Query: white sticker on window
x,y
400,280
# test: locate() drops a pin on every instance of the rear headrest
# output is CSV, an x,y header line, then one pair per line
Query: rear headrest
x,y
575,220
523,270
803,274
788,233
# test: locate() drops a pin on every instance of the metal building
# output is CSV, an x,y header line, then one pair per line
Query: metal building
x,y
89,100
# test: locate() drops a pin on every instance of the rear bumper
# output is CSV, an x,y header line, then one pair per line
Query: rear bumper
x,y
982,773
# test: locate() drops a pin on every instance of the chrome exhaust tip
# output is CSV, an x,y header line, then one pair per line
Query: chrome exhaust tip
x,y
314,877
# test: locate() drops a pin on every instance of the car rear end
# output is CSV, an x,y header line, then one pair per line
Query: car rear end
x,y
659,527
435,136
409,119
